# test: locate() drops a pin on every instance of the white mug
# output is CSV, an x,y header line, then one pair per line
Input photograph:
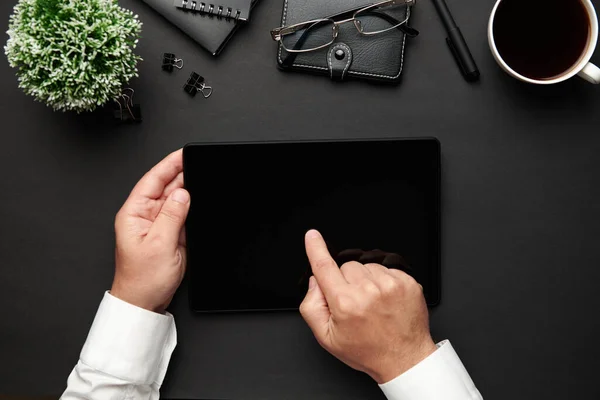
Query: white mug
x,y
584,68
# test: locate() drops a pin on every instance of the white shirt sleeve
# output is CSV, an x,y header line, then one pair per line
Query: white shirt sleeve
x,y
440,376
125,356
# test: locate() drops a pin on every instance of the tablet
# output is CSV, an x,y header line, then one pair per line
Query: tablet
x,y
252,203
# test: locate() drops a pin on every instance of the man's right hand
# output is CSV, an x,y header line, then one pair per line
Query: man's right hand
x,y
372,318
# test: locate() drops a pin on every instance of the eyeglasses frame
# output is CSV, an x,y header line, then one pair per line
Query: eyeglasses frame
x,y
278,33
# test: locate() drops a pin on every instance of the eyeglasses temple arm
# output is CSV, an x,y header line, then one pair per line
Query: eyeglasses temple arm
x,y
289,60
292,56
410,32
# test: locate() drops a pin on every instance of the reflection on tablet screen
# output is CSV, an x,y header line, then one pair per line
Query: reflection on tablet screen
x,y
373,201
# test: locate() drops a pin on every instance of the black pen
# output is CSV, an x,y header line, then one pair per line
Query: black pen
x,y
457,43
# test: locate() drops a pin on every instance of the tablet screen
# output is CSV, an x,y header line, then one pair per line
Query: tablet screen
x,y
252,203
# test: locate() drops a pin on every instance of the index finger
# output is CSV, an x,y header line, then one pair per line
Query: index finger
x,y
153,183
324,268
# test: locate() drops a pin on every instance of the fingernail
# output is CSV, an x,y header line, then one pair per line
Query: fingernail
x,y
181,196
313,234
312,282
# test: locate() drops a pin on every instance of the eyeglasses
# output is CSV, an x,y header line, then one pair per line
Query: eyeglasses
x,y
320,33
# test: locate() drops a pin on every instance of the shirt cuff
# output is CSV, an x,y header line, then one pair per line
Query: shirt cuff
x,y
130,343
440,376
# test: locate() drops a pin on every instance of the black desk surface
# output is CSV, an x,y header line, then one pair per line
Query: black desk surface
x,y
521,182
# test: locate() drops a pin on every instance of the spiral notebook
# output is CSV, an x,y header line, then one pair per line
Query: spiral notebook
x,y
209,31
231,9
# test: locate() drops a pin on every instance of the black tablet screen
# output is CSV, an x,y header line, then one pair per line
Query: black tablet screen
x,y
252,204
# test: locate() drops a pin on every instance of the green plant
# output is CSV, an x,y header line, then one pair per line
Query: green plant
x,y
73,54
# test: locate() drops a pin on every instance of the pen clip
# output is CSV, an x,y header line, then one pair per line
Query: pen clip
x,y
470,76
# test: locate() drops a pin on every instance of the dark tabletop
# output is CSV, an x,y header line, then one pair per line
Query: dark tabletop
x,y
521,213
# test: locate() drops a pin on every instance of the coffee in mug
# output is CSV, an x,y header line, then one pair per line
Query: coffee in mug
x,y
545,41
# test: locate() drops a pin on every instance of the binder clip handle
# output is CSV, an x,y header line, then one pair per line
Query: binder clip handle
x,y
206,90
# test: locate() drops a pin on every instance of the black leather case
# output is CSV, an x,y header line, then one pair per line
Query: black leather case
x,y
378,57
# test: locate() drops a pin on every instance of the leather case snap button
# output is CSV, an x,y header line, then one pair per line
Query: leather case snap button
x,y
339,59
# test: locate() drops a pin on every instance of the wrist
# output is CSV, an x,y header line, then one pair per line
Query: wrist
x,y
405,361
138,301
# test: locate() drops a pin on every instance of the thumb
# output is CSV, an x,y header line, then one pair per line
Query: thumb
x,y
169,222
315,311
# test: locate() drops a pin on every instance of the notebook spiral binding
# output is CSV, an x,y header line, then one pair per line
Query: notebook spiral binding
x,y
210,9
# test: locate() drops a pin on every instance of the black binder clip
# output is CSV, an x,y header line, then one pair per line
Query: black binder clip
x,y
125,110
170,62
196,84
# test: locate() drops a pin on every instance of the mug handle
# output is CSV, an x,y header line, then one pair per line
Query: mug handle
x,y
590,73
